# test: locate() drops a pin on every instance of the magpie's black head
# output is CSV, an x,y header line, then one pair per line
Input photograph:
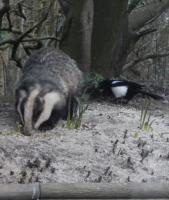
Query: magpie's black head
x,y
105,83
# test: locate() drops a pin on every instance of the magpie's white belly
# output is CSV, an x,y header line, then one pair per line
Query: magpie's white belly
x,y
119,91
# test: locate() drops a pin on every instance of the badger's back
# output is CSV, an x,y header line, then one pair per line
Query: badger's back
x,y
49,78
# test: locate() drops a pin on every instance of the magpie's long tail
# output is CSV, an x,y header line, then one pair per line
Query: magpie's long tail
x,y
154,96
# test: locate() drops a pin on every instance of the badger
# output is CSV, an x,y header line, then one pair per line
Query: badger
x,y
49,82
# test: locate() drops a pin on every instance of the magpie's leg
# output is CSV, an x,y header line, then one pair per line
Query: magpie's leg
x,y
118,101
122,101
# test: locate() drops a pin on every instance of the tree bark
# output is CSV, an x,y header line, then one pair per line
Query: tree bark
x,y
112,37
139,17
77,37
109,39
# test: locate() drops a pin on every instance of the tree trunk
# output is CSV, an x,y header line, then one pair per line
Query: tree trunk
x,y
77,34
109,39
113,33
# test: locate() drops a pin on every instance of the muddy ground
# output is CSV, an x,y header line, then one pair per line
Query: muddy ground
x,y
109,147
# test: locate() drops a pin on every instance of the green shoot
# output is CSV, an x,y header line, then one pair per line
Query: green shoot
x,y
74,119
18,127
145,118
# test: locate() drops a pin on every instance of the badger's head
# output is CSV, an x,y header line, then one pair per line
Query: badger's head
x,y
36,107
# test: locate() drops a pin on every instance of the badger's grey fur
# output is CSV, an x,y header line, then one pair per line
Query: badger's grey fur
x,y
50,78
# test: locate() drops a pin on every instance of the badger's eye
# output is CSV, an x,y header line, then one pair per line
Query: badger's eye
x,y
41,100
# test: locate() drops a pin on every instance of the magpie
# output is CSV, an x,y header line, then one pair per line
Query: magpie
x,y
122,89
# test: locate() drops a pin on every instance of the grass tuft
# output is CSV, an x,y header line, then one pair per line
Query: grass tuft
x,y
145,118
74,121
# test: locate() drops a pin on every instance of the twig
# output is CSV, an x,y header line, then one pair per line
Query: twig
x,y
5,8
140,59
19,40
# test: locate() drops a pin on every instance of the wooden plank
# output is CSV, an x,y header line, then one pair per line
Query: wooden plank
x,y
104,191
84,191
19,191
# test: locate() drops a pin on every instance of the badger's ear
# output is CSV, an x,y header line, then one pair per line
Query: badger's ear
x,y
41,100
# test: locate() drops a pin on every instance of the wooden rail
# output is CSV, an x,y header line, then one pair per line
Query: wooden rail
x,y
84,191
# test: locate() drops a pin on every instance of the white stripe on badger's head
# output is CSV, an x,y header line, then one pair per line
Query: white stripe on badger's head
x,y
50,100
22,95
119,91
28,111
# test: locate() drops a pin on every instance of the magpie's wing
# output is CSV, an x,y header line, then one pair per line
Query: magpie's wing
x,y
135,85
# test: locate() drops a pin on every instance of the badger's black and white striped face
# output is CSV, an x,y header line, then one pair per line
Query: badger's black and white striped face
x,y
119,89
35,108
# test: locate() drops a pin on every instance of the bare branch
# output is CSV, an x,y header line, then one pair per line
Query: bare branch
x,y
19,40
9,20
40,38
20,11
25,37
135,36
12,41
146,32
18,61
28,48
5,8
65,5
132,5
131,64
8,41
